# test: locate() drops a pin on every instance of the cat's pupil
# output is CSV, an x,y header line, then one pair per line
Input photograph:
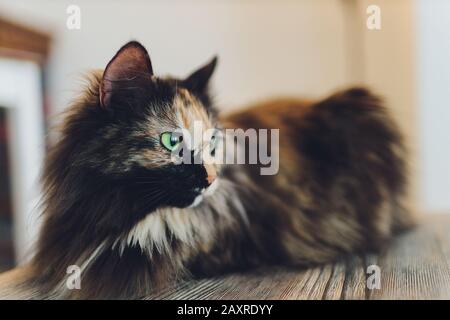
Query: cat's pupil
x,y
213,146
175,139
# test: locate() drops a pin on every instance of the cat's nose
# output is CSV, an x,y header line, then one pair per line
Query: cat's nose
x,y
211,179
211,173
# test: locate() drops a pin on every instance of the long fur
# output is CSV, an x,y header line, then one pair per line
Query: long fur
x,y
339,190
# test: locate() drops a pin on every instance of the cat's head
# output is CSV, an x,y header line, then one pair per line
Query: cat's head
x,y
130,137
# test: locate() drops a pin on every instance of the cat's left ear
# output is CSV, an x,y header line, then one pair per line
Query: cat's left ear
x,y
198,81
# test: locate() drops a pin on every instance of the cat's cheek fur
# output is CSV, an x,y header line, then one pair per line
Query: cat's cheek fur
x,y
212,188
207,192
198,199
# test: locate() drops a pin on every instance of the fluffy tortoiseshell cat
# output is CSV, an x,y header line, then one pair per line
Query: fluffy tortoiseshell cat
x,y
117,206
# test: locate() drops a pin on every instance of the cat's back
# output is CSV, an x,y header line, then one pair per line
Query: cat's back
x,y
347,134
341,171
269,114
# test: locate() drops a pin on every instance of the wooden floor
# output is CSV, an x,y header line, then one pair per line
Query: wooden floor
x,y
415,266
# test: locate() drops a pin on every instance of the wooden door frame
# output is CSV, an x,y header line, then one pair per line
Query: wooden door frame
x,y
23,52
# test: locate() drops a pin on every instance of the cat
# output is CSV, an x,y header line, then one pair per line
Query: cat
x,y
117,206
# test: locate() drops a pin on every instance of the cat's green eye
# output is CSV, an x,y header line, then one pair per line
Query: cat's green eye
x,y
170,141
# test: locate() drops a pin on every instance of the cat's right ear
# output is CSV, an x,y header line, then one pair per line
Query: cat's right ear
x,y
127,75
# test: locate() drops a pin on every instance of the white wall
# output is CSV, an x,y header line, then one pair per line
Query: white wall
x,y
266,47
434,99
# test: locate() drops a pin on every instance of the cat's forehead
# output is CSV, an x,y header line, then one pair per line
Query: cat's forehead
x,y
189,109
184,111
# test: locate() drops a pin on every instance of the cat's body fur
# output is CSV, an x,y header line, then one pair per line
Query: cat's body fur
x,y
338,191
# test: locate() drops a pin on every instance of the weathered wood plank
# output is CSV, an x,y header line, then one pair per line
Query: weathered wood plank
x,y
335,283
316,284
10,288
354,287
416,265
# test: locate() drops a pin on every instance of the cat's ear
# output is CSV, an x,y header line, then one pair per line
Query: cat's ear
x,y
199,79
128,73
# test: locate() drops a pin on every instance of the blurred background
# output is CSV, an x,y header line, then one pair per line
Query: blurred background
x,y
266,48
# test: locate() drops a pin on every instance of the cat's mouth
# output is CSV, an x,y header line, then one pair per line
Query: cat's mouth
x,y
203,193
